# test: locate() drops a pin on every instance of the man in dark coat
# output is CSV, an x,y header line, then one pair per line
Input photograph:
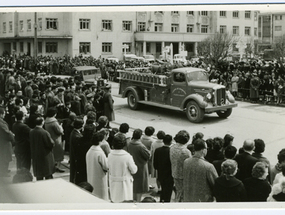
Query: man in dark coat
x,y
245,160
75,139
6,137
108,104
41,151
162,164
22,142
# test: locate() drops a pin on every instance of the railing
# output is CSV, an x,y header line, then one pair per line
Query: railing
x,y
160,80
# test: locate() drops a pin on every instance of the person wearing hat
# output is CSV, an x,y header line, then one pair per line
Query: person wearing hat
x,y
29,90
76,138
108,103
254,87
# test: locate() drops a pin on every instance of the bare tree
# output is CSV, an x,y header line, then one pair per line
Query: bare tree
x,y
216,47
279,49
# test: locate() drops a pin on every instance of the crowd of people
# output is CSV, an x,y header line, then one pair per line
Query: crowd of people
x,y
44,118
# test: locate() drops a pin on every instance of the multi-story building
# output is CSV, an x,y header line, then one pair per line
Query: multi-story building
x,y
104,33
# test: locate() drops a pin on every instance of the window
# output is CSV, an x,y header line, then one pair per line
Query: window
x,y
84,24
255,31
278,28
223,13
174,27
235,14
52,24
236,30
141,26
247,31
204,29
174,12
4,27
158,27
29,25
106,47
147,47
127,25
21,25
129,49
223,29
106,25
247,14
14,46
10,26
84,47
235,49
190,13
179,77
279,17
40,24
190,28
158,47
51,47
40,47
204,13
255,16
21,47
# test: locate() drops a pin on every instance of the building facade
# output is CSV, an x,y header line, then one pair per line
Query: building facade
x,y
104,33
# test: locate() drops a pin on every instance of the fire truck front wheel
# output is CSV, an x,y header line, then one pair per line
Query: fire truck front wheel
x,y
224,114
194,112
133,101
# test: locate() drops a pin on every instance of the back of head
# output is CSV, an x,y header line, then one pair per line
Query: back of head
x,y
86,186
199,145
78,123
258,170
97,138
167,140
22,175
230,152
19,115
227,140
229,167
248,145
149,130
124,128
281,156
51,112
39,121
103,121
259,146
160,135
182,137
148,199
137,134
91,116
33,109
119,141
217,143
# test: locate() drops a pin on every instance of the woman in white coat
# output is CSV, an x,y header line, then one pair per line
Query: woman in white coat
x,y
121,168
97,167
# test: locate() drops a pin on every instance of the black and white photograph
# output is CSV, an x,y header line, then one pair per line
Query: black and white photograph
x,y
142,107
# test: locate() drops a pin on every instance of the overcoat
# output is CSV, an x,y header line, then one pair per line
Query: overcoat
x,y
108,106
41,152
121,167
148,141
141,156
198,180
6,137
56,131
97,167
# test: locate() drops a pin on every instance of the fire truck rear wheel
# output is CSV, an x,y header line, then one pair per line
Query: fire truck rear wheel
x,y
133,101
194,112
224,114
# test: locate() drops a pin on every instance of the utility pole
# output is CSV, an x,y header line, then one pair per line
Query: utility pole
x,y
35,38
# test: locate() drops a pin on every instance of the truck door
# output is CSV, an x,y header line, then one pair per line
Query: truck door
x,y
178,88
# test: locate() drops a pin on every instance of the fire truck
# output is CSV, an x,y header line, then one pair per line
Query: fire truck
x,y
186,89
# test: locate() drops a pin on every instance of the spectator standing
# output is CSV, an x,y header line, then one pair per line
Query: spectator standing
x,y
22,142
124,129
198,175
141,155
215,152
278,167
41,151
56,131
161,162
7,137
108,103
245,160
121,169
227,188
104,144
257,187
254,87
229,153
234,81
278,192
97,168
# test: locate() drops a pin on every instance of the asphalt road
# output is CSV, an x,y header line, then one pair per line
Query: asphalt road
x,y
248,121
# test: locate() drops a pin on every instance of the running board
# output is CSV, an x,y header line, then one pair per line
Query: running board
x,y
159,105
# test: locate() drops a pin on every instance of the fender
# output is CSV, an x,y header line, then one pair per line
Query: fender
x,y
194,97
136,90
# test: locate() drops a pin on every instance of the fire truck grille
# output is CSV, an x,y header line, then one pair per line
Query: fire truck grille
x,y
221,96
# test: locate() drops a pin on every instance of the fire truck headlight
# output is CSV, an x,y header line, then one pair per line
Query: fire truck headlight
x,y
230,97
209,96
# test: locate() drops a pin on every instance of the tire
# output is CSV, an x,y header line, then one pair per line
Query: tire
x,y
194,112
133,101
224,114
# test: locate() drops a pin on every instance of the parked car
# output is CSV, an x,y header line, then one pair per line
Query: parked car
x,y
178,58
129,57
112,58
149,58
